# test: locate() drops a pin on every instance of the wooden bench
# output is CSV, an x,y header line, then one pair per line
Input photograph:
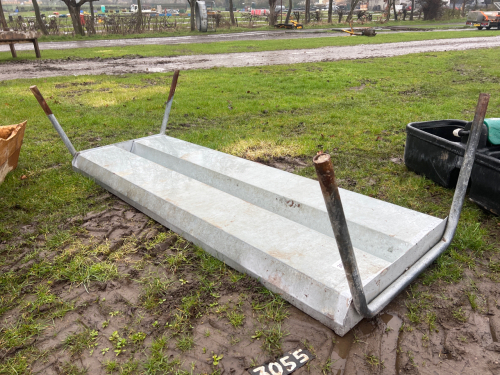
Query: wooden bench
x,y
12,37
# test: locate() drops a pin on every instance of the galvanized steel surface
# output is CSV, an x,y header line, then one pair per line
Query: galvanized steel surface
x,y
282,254
62,134
274,226
263,221
379,228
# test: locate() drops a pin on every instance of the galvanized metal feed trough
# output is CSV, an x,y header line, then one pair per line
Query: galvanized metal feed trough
x,y
274,225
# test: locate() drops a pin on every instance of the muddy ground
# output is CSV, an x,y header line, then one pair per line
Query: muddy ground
x,y
173,40
139,64
147,254
204,38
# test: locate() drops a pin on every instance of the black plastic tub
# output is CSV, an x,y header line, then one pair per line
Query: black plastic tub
x,y
432,150
485,180
435,152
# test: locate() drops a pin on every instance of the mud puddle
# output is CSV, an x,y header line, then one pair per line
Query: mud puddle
x,y
53,68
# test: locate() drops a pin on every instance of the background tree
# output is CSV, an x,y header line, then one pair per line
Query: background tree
x,y
272,12
39,20
412,7
354,4
138,25
388,10
308,11
289,13
433,9
3,22
394,8
330,10
231,12
192,4
464,4
74,11
90,25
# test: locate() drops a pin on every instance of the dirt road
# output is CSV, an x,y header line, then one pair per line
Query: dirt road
x,y
54,68
189,39
207,38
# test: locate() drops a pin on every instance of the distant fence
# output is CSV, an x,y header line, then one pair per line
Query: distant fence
x,y
130,23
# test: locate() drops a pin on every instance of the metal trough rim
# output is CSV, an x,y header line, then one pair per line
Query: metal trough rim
x,y
367,310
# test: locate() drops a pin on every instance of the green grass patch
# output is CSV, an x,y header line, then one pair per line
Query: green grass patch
x,y
271,338
242,46
78,342
460,22
185,343
355,110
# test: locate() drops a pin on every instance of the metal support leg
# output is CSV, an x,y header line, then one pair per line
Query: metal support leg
x,y
324,170
169,102
53,120
326,176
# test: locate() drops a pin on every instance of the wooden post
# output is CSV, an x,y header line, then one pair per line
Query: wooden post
x,y
91,29
37,50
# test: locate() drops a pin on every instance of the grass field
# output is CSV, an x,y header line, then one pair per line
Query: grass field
x,y
355,110
242,46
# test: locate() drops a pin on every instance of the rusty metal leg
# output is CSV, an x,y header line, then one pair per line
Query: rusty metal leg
x,y
326,176
53,120
37,50
13,50
169,102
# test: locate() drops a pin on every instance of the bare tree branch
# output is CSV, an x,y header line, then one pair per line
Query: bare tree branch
x,y
74,11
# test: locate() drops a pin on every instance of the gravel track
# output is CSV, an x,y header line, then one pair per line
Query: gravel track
x,y
54,68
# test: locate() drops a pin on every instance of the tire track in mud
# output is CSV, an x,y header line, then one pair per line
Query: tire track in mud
x,y
55,68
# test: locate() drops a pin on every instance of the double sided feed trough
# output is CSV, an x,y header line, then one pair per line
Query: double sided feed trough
x,y
274,225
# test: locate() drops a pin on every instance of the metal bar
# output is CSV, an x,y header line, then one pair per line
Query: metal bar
x,y
165,117
404,280
326,176
53,119
169,102
330,193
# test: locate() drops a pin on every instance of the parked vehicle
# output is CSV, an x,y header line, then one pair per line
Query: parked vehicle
x,y
481,19
134,9
259,12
